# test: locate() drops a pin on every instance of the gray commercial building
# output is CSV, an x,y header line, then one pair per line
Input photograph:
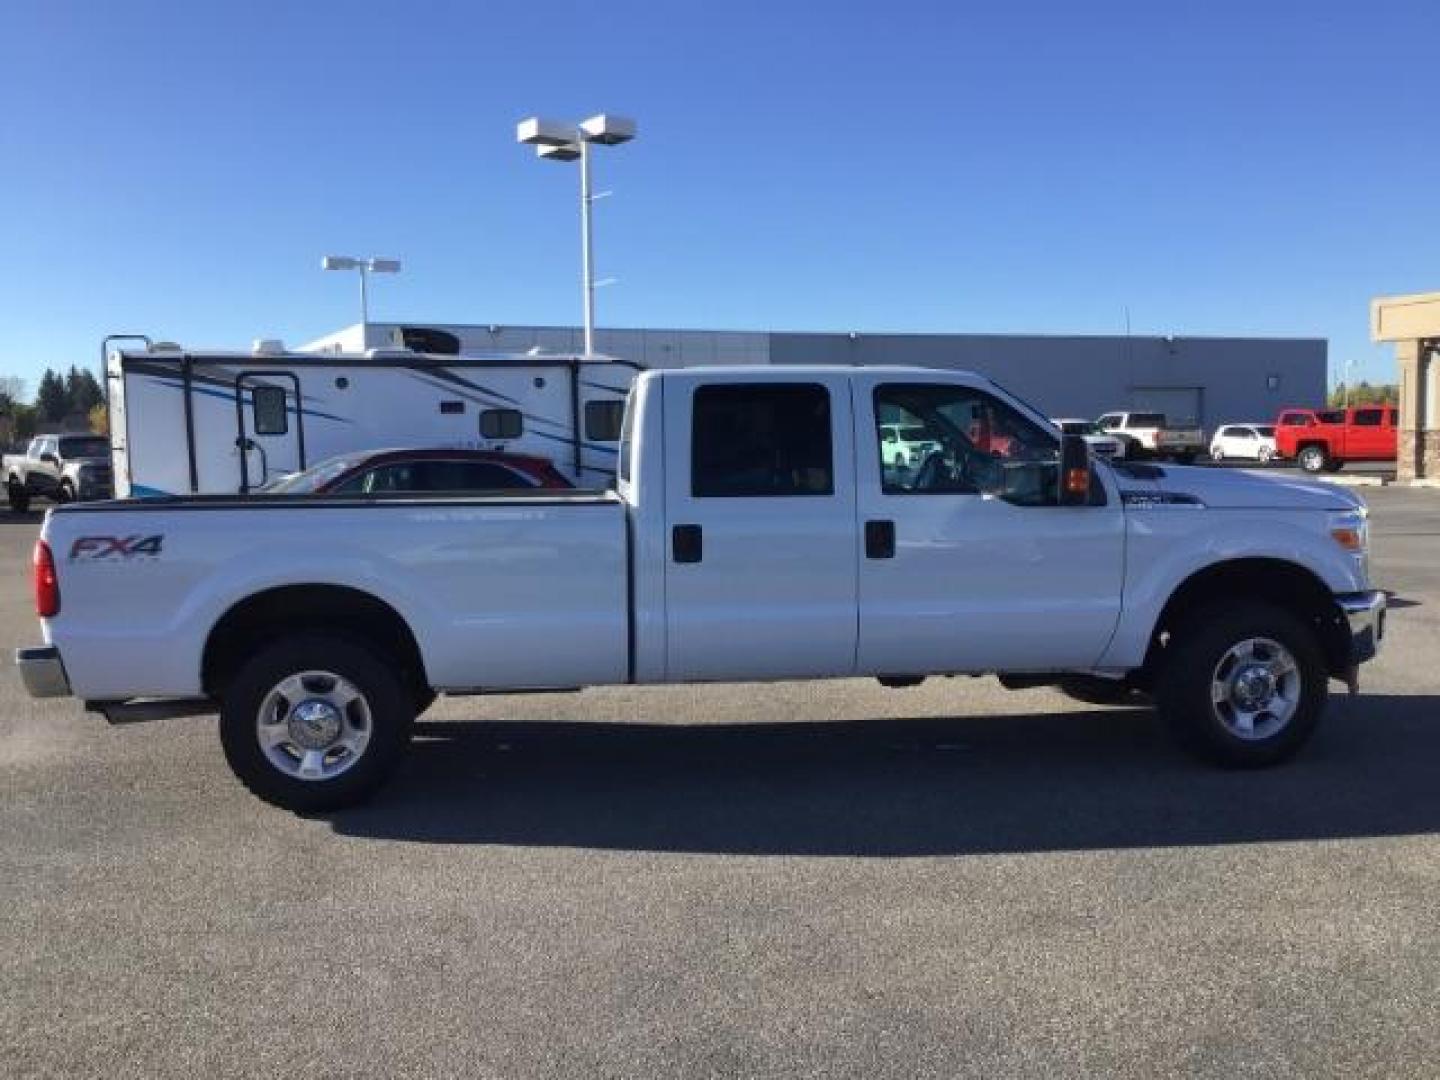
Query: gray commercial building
x,y
1208,380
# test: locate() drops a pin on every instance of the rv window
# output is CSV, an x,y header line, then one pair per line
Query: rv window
x,y
269,411
603,420
501,424
449,407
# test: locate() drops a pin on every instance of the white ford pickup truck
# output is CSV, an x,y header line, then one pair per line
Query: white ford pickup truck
x,y
756,531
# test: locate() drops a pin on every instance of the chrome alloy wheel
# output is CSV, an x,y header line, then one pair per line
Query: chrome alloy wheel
x,y
313,725
1255,689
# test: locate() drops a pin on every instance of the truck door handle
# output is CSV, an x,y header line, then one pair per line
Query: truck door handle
x,y
687,544
879,539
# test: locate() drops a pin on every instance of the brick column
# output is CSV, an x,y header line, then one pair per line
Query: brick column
x,y
1407,459
1427,393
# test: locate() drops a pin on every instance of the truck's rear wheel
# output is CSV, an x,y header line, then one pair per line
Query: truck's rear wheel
x,y
315,722
1243,685
1313,459
19,497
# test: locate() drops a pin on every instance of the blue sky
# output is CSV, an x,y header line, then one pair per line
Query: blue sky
x,y
1222,168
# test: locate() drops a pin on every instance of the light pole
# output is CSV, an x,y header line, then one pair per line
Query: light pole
x,y
366,268
556,140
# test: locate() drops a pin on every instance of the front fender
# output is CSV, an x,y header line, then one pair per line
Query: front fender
x,y
1166,546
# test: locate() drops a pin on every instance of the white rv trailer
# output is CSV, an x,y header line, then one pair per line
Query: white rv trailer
x,y
224,422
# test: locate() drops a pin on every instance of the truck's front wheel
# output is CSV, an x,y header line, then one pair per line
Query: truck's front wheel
x,y
1313,459
315,722
1243,685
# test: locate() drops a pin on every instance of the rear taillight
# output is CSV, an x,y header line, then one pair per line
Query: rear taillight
x,y
47,585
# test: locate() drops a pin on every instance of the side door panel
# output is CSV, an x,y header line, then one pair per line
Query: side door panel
x,y
976,582
758,585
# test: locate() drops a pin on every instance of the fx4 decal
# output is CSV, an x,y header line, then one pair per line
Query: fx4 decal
x,y
97,548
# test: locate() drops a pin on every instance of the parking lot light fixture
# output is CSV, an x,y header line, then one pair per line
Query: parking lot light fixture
x,y
366,267
557,140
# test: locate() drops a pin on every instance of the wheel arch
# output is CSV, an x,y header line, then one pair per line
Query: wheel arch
x,y
1279,581
298,608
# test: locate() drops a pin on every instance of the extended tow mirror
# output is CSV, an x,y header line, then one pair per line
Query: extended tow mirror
x,y
1074,471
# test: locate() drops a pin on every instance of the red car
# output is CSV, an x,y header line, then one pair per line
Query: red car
x,y
1324,440
377,472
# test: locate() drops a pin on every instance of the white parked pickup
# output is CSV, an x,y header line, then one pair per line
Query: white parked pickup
x,y
754,532
1150,434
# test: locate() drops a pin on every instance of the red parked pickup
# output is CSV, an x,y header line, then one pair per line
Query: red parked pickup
x,y
1322,440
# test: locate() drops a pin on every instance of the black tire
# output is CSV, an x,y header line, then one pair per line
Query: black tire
x,y
1217,454
1093,690
1192,659
391,713
1312,459
1333,466
19,497
1184,459
422,699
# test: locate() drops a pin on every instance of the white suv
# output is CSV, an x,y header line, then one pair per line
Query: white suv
x,y
1255,442
906,445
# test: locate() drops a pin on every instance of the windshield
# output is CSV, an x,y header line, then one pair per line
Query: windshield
x,y
1147,419
1078,427
315,477
85,446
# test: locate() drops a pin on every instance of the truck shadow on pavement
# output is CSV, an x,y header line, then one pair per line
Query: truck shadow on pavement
x,y
903,787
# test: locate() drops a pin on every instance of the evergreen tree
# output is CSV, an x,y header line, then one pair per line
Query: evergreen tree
x,y
83,390
52,403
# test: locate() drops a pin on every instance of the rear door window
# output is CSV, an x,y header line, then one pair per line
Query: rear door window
x,y
1368,417
761,440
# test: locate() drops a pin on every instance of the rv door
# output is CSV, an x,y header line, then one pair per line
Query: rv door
x,y
270,430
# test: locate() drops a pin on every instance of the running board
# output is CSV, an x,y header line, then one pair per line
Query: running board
x,y
141,710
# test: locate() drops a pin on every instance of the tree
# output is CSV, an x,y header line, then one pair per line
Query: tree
x,y
1364,394
82,390
52,403
25,421
99,419
12,392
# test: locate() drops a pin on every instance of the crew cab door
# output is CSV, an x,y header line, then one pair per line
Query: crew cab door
x,y
760,543
967,562
270,432
1366,435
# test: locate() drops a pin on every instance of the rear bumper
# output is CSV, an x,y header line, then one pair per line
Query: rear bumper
x,y
1365,614
42,672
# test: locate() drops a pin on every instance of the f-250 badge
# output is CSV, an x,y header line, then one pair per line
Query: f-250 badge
x,y
114,548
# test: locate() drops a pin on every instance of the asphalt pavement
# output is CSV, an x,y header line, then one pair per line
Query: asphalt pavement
x,y
804,879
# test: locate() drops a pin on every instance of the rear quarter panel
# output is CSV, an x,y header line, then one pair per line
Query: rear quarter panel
x,y
497,595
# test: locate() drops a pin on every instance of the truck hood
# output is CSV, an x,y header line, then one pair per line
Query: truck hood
x,y
1232,488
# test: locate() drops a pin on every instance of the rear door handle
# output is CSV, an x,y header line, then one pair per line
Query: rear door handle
x,y
879,539
687,544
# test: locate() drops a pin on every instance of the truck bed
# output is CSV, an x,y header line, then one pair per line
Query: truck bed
x,y
509,590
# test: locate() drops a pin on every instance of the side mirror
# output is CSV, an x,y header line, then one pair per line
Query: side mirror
x,y
1074,471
